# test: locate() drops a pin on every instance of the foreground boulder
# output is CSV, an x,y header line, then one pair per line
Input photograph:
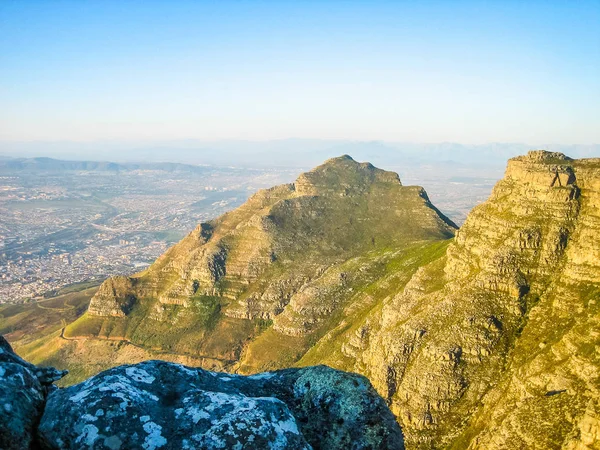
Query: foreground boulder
x,y
156,404
23,388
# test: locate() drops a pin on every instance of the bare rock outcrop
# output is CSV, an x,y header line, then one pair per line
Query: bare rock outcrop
x,y
115,297
23,390
157,404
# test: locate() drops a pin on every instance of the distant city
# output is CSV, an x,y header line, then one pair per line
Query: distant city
x,y
60,226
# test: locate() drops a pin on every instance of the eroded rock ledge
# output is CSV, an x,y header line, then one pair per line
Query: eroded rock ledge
x,y
160,405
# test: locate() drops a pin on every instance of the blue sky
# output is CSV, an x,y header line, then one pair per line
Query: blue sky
x,y
469,72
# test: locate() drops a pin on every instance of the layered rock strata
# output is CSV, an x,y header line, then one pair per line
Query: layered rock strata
x,y
503,331
282,261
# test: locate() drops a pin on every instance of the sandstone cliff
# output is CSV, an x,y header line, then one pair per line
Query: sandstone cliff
x,y
496,344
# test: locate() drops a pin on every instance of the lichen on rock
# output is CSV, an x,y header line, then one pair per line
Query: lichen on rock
x,y
23,388
161,405
156,404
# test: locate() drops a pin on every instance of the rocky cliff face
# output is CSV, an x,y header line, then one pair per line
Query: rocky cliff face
x,y
115,297
281,265
156,405
496,344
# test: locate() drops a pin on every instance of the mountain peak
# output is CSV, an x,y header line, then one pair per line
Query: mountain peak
x,y
258,261
339,158
343,175
345,162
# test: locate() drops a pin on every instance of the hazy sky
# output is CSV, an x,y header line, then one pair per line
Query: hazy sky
x,y
468,72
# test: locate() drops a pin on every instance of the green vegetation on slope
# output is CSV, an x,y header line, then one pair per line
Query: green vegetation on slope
x,y
393,276
26,322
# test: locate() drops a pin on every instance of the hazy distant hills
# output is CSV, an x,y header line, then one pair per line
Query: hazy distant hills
x,y
51,164
302,153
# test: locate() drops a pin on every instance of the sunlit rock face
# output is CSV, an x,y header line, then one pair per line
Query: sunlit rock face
x,y
115,297
504,329
155,405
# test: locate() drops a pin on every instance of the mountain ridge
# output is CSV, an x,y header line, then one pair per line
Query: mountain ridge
x,y
51,164
269,210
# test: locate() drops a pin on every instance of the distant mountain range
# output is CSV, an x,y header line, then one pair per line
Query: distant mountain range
x,y
51,164
296,153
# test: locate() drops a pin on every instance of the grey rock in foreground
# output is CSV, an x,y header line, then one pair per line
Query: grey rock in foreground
x,y
23,388
156,404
